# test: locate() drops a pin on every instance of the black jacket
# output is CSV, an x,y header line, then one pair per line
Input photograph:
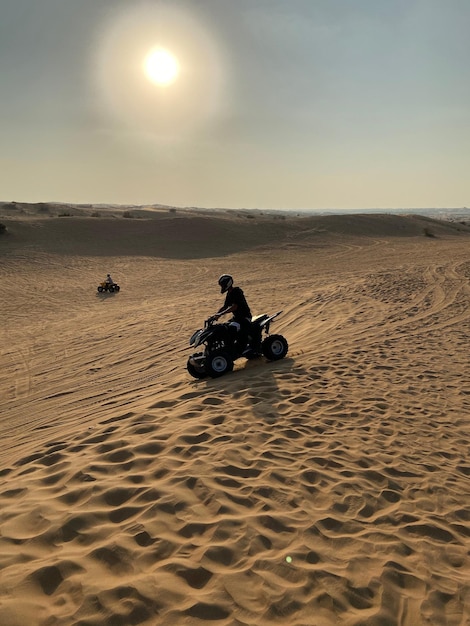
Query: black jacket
x,y
236,296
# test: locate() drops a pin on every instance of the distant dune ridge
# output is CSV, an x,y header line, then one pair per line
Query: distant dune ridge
x,y
196,233
332,487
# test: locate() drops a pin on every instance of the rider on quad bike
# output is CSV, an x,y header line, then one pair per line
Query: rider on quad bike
x,y
108,285
235,303
217,346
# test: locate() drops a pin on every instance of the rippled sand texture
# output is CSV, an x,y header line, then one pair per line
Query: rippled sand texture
x,y
332,487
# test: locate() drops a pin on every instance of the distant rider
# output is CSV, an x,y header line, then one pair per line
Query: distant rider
x,y
235,303
109,280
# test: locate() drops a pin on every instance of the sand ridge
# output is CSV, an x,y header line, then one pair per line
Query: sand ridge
x,y
330,487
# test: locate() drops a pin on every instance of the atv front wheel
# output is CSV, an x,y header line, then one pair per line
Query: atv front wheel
x,y
196,369
218,363
274,347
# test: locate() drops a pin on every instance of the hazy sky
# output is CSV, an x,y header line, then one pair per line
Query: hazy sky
x,y
277,104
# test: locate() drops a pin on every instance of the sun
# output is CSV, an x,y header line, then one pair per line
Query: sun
x,y
161,67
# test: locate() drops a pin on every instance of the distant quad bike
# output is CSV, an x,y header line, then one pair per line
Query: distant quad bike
x,y
221,347
111,287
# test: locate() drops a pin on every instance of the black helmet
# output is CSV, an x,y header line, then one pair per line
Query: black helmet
x,y
225,281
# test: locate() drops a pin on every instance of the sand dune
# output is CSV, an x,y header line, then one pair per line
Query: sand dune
x,y
331,487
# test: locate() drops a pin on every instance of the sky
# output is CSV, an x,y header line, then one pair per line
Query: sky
x,y
277,104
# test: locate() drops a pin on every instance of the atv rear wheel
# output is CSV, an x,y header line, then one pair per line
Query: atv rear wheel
x,y
218,363
274,347
195,369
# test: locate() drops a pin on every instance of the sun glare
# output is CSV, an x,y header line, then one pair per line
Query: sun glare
x,y
160,72
161,67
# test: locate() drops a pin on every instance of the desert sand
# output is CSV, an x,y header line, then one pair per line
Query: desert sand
x,y
332,487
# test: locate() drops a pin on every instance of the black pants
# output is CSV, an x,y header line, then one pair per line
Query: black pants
x,y
244,332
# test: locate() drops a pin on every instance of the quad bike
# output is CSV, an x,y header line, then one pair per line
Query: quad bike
x,y
221,346
111,287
